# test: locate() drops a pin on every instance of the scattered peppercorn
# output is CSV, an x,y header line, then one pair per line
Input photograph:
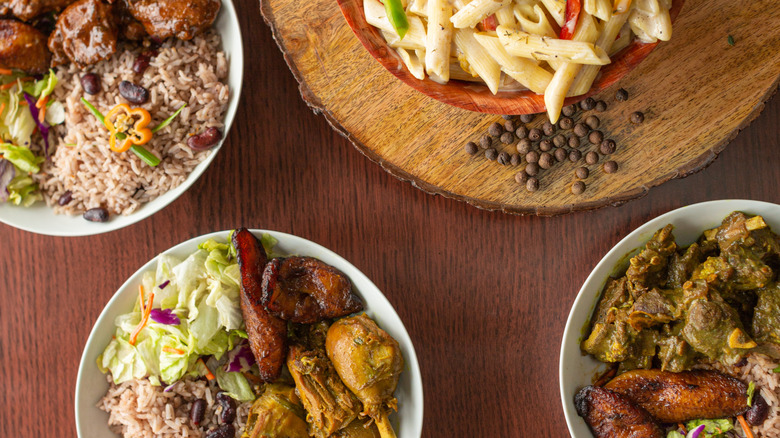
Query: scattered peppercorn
x,y
593,122
621,95
524,146
532,184
548,128
610,167
575,156
521,132
532,157
514,159
495,130
491,154
507,138
484,142
574,141
521,177
637,117
545,145
560,154
535,134
601,106
608,146
595,137
582,172
566,123
592,157
580,129
527,118
559,141
509,125
546,160
578,187
471,148
503,158
588,104
532,169
569,110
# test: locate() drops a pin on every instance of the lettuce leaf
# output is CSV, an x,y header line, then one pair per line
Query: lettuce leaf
x,y
235,384
22,157
712,428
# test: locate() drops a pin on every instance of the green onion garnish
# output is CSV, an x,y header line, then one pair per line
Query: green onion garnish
x,y
94,110
168,121
751,389
147,157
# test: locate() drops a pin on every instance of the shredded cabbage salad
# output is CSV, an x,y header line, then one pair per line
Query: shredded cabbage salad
x,y
195,327
20,119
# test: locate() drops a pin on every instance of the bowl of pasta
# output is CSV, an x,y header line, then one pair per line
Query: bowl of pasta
x,y
510,56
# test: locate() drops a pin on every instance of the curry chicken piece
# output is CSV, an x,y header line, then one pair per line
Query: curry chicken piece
x,y
276,413
86,32
22,47
26,10
610,415
369,362
358,429
305,290
267,333
678,397
182,19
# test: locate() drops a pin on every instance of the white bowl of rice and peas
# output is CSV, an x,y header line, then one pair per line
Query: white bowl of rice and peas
x,y
87,177
174,333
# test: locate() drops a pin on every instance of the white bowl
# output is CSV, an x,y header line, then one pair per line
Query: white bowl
x,y
576,369
91,384
41,219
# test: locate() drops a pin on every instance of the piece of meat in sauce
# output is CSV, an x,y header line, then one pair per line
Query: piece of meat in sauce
x,y
610,415
23,47
182,19
86,33
26,10
131,28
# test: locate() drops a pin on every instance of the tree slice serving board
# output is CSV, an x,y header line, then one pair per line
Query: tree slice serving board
x,y
696,92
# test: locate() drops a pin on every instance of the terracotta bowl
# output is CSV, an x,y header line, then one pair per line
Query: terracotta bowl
x,y
476,97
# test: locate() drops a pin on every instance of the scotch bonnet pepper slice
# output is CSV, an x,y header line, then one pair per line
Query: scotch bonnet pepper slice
x,y
118,121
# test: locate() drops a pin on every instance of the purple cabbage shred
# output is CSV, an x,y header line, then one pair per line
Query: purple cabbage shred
x,y
7,173
164,284
42,126
240,359
164,316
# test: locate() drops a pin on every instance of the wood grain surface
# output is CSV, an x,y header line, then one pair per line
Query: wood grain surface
x,y
696,92
484,295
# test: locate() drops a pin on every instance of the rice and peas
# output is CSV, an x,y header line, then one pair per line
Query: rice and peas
x,y
83,173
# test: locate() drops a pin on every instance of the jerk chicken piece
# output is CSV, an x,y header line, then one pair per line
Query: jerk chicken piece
x,y
267,333
277,413
26,10
131,28
610,415
86,32
648,268
182,19
305,290
369,362
23,47
678,397
358,429
330,404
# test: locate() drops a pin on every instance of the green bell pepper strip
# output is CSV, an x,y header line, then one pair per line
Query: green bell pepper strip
x,y
397,16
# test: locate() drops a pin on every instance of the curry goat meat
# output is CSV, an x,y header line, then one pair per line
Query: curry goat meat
x,y
715,300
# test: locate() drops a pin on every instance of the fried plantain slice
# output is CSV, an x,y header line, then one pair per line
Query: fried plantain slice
x,y
305,290
23,47
267,333
678,397
610,415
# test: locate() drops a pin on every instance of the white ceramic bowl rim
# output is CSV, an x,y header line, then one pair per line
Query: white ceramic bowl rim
x,y
91,385
576,369
39,218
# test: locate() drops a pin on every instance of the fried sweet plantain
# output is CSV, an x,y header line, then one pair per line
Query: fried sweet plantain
x,y
23,47
305,290
677,397
610,415
267,333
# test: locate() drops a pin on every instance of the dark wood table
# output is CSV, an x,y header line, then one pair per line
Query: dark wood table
x,y
484,295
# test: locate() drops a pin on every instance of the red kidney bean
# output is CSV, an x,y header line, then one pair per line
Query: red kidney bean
x,y
223,431
758,412
197,411
133,93
98,214
205,139
65,198
142,61
228,413
90,82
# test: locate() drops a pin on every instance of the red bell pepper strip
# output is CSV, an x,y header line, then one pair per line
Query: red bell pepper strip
x,y
573,8
490,23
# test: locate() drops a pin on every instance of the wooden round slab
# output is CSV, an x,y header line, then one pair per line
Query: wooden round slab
x,y
696,92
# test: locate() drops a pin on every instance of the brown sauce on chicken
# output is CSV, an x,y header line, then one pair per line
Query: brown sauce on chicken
x,y
86,33
182,19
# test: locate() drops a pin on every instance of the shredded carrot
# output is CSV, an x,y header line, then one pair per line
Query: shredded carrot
x,y
7,86
141,298
42,114
145,318
173,350
2,108
6,71
745,427
682,428
42,101
209,376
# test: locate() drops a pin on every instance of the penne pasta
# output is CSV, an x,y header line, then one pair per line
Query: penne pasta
x,y
476,11
523,44
523,70
556,9
601,9
606,40
477,58
413,63
506,16
418,7
395,42
377,17
650,20
439,38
